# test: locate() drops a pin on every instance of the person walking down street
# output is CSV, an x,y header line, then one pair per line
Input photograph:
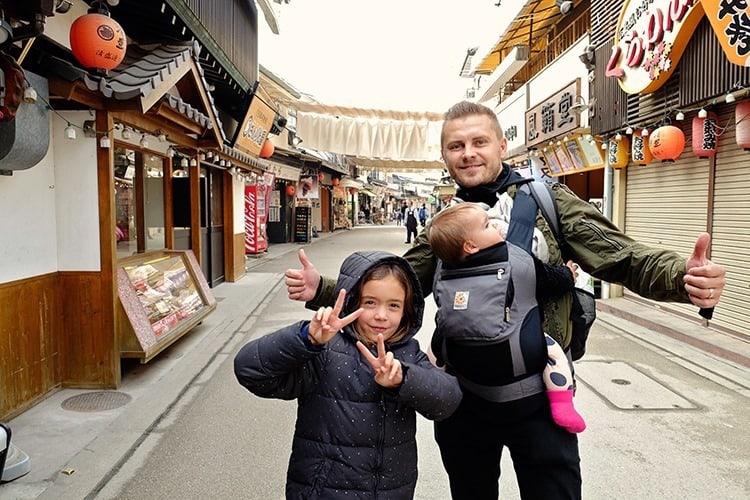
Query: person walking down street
x,y
423,215
359,378
467,242
545,456
410,221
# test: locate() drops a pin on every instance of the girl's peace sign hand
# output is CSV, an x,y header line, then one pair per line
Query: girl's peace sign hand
x,y
326,323
388,372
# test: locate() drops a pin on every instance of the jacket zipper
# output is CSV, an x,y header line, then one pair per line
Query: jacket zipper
x,y
451,275
600,234
381,443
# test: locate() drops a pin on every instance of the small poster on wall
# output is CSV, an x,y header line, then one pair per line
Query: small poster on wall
x,y
308,188
552,162
563,157
591,153
574,152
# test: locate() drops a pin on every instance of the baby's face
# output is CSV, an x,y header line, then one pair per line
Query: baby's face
x,y
483,232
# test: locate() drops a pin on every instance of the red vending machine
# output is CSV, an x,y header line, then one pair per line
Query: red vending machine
x,y
257,198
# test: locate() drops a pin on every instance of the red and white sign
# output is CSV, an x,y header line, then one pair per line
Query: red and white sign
x,y
650,39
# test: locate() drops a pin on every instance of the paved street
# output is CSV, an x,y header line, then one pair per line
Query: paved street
x,y
664,420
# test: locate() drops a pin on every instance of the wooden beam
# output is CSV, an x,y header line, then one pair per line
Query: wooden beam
x,y
76,91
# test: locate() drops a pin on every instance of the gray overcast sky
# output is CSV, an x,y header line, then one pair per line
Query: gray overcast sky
x,y
385,54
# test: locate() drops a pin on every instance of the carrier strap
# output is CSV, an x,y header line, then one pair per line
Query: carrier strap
x,y
533,384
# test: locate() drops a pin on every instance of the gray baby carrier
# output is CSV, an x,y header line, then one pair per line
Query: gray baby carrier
x,y
491,304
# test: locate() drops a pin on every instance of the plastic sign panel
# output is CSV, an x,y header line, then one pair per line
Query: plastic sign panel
x,y
730,20
650,38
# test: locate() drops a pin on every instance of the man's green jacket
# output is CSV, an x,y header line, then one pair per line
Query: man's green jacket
x,y
593,242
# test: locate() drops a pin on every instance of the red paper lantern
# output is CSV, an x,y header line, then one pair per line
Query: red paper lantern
x,y
267,150
667,143
639,151
97,41
335,181
352,191
704,135
742,124
290,190
321,176
618,152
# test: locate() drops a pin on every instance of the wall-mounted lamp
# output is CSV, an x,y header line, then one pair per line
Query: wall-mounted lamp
x,y
580,105
565,6
587,58
679,116
126,134
144,141
105,142
702,113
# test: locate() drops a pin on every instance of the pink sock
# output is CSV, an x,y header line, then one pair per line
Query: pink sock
x,y
563,413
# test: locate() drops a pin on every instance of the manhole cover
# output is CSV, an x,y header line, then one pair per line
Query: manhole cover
x,y
96,401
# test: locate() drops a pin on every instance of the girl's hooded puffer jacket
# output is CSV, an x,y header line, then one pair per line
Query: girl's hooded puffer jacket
x,y
353,438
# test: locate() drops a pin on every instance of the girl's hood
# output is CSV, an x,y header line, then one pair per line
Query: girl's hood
x,y
355,266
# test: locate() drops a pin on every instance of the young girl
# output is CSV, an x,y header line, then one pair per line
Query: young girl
x,y
358,381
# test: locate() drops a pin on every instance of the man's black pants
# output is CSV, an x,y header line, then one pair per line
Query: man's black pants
x,y
545,456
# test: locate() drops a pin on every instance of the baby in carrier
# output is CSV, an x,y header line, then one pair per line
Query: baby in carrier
x,y
488,327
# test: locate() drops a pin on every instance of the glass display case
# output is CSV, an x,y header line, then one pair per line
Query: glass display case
x,y
163,296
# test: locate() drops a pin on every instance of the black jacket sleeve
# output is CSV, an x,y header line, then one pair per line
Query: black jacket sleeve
x,y
552,281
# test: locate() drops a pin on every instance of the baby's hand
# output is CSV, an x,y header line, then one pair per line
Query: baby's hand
x,y
573,268
388,372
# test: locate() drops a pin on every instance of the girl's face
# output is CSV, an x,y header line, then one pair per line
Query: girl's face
x,y
383,304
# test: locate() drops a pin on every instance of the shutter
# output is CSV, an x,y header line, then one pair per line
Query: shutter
x,y
666,206
731,226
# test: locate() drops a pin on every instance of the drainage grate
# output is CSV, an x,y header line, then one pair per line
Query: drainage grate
x,y
96,401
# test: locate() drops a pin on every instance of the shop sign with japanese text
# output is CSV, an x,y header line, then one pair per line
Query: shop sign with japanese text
x,y
553,116
254,130
651,37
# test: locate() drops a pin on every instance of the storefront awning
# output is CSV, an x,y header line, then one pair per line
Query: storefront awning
x,y
367,192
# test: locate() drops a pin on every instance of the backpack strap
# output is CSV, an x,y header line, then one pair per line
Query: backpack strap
x,y
522,219
542,194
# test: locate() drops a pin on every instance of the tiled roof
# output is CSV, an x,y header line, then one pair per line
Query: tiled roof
x,y
143,70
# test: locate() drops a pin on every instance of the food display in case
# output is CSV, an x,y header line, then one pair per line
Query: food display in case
x,y
163,295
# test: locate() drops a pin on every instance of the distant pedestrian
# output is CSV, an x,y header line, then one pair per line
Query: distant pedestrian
x,y
355,435
422,215
410,221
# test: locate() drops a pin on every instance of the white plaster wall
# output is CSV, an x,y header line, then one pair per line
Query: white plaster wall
x,y
28,227
76,202
238,188
512,112
560,73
